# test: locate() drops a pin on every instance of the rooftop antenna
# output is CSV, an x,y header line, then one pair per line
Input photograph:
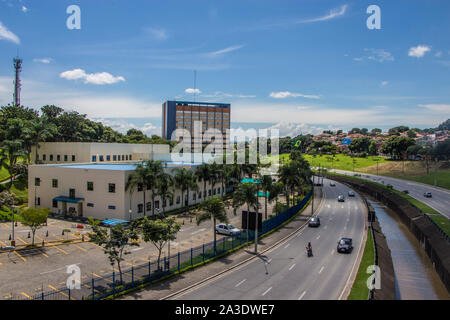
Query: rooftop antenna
x,y
17,84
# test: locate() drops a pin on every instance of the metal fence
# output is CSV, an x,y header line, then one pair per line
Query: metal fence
x,y
99,287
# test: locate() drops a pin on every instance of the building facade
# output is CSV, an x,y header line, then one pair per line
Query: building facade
x,y
85,152
98,190
188,115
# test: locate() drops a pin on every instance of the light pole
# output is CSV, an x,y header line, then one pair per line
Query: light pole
x,y
256,225
377,160
312,202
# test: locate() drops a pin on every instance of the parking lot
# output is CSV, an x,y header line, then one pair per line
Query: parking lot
x,y
27,272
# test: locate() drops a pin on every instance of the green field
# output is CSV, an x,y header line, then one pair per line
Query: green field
x,y
4,174
359,289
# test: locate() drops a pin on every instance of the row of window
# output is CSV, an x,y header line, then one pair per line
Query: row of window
x,y
114,157
58,157
89,185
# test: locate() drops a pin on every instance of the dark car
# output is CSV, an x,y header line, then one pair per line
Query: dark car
x,y
314,222
351,193
345,245
341,198
427,194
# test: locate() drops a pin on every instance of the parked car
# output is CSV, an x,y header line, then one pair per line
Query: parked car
x,y
341,198
314,222
345,245
427,194
332,184
351,193
227,229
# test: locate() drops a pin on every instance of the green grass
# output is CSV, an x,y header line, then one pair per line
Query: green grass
x,y
4,174
443,222
359,290
443,179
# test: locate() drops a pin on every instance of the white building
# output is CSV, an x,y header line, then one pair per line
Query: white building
x,y
84,152
98,189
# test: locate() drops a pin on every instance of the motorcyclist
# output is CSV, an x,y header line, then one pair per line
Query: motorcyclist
x,y
309,248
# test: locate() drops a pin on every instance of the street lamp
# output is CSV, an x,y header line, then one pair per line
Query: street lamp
x,y
130,213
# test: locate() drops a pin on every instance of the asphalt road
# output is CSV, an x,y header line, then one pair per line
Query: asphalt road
x,y
440,200
285,272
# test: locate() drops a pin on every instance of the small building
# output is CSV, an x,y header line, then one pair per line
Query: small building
x,y
84,152
98,190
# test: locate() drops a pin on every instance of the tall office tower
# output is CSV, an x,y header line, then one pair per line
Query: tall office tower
x,y
185,115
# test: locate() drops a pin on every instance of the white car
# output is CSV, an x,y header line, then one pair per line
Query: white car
x,y
228,230
332,184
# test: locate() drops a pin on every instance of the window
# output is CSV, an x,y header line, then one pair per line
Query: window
x,y
90,204
58,157
114,157
140,208
51,157
112,207
130,157
44,157
214,192
94,158
171,202
149,206
101,159
157,204
66,157
73,158
178,199
37,201
218,190
200,195
55,183
55,204
90,186
194,196
123,157
72,193
108,158
112,187
164,203
37,182
140,187
126,157
209,193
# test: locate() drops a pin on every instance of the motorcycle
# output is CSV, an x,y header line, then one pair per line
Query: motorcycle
x,y
309,252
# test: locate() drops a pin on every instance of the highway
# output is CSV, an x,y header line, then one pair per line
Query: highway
x,y
285,272
440,200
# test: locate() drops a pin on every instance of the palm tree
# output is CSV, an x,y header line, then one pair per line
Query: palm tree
x,y
214,209
275,191
165,189
138,179
214,174
245,194
185,180
287,174
41,130
266,184
13,150
203,173
155,170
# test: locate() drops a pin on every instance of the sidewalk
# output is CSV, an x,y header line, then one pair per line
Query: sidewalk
x,y
160,290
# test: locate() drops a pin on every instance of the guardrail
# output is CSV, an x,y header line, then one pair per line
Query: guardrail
x,y
99,287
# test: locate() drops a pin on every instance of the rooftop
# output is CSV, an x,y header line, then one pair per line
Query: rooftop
x,y
120,166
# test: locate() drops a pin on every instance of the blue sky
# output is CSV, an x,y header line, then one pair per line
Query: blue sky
x,y
300,66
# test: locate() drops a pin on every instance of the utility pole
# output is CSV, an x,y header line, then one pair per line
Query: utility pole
x,y
312,201
377,164
435,170
256,226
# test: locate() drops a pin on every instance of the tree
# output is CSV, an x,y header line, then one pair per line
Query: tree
x,y
40,131
115,243
35,219
159,232
245,194
185,180
266,184
396,146
214,209
360,145
203,173
375,131
155,171
13,150
138,180
275,191
165,189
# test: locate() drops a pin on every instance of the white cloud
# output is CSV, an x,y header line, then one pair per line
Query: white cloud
x,y
192,91
287,94
123,125
438,54
6,34
437,107
157,33
93,78
24,9
43,60
226,50
334,13
223,95
419,51
379,55
384,83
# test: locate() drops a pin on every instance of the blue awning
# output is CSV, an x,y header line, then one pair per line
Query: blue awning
x,y
113,222
68,199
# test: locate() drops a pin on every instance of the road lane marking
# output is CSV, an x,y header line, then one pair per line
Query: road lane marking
x,y
26,295
292,267
318,237
321,269
1,242
20,256
83,249
61,250
52,287
200,230
302,295
22,240
265,292
137,249
240,282
287,245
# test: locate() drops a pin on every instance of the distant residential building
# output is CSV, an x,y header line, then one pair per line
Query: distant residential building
x,y
184,115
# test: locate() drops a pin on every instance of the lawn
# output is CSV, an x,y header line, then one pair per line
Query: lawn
x,y
359,289
4,174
